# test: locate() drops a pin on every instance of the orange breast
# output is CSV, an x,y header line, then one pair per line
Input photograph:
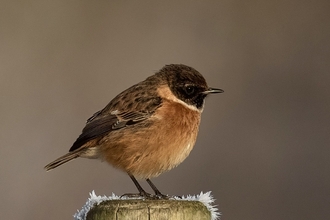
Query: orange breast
x,y
156,145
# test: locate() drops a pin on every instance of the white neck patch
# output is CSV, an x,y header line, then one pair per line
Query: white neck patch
x,y
166,93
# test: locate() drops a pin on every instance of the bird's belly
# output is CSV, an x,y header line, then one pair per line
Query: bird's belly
x,y
150,149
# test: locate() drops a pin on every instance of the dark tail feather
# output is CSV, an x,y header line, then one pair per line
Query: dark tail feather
x,y
61,160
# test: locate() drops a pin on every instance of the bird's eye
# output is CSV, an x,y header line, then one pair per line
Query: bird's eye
x,y
189,90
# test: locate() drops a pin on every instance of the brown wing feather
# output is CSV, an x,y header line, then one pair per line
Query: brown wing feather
x,y
103,125
95,128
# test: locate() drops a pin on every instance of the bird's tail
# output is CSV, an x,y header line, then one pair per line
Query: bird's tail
x,y
61,160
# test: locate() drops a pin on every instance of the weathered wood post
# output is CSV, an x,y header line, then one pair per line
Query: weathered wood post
x,y
149,210
200,207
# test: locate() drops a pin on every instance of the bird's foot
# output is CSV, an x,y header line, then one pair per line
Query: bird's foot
x,y
174,197
142,194
146,195
159,195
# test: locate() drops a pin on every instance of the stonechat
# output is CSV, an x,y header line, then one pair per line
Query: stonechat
x,y
147,129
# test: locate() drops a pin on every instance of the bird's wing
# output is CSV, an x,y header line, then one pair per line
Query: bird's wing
x,y
99,125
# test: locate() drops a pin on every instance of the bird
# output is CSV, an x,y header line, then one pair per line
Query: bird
x,y
147,129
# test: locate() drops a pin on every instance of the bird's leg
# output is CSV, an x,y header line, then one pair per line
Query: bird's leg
x,y
138,186
157,192
141,190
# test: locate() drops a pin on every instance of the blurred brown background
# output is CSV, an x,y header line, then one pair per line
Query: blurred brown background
x,y
263,147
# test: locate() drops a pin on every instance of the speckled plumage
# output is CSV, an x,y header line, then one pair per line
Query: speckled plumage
x,y
149,128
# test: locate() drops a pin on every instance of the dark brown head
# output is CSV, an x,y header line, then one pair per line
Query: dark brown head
x,y
187,84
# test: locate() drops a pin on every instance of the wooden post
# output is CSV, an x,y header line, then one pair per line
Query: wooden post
x,y
148,210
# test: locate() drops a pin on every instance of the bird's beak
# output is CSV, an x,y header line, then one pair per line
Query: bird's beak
x,y
213,90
